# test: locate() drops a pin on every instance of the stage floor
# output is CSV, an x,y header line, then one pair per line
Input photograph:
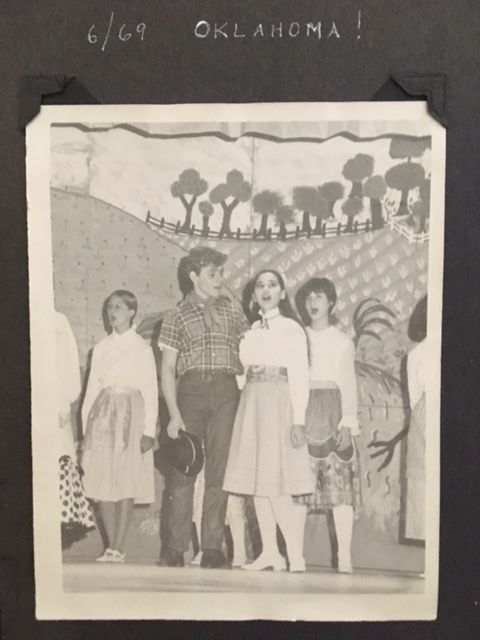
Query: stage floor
x,y
88,577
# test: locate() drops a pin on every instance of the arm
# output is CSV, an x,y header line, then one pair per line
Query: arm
x,y
93,387
149,391
412,379
169,388
298,375
347,384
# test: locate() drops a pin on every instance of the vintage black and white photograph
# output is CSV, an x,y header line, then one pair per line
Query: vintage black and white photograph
x,y
235,348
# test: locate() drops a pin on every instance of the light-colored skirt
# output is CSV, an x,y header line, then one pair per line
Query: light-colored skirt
x,y
415,502
262,460
114,467
337,473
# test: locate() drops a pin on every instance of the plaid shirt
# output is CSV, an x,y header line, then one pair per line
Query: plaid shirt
x,y
200,349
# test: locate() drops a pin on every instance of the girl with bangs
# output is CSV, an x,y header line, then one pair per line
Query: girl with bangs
x,y
331,419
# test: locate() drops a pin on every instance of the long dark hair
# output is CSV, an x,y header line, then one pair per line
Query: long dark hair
x,y
284,306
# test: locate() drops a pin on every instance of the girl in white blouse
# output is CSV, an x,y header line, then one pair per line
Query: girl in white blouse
x,y
119,416
331,419
268,455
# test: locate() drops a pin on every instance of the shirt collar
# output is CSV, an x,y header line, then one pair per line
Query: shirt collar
x,y
126,334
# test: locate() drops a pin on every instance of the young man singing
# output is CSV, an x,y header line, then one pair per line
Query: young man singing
x,y
199,340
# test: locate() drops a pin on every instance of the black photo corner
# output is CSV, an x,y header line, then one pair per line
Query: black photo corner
x,y
166,53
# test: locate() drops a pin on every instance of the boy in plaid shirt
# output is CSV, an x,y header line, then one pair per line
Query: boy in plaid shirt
x,y
199,340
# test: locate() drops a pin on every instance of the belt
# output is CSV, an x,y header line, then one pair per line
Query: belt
x,y
267,373
206,375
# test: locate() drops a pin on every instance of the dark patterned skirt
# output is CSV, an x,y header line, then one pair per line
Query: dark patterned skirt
x,y
74,507
337,473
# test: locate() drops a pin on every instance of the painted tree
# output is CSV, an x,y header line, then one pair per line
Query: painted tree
x,y
375,188
189,183
420,210
284,215
404,177
369,316
356,170
321,212
206,209
305,199
407,148
331,191
351,207
236,188
407,175
266,204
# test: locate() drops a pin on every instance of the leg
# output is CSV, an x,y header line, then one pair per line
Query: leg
x,y
124,515
191,402
289,521
270,556
223,403
343,517
107,512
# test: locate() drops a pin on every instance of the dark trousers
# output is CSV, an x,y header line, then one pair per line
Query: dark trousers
x,y
208,405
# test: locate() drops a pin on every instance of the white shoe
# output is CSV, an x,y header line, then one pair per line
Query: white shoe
x,y
345,565
262,562
297,566
239,561
117,557
106,555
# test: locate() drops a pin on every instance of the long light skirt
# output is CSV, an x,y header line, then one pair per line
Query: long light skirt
x,y
262,460
114,467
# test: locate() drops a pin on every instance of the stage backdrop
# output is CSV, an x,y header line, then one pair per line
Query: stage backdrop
x,y
127,203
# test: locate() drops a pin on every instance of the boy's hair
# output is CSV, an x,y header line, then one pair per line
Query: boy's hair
x,y
195,261
128,298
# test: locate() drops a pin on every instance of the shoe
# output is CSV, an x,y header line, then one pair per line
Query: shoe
x,y
212,559
105,557
117,557
239,561
345,565
297,566
174,558
262,563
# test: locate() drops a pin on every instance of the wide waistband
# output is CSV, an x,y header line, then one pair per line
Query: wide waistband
x,y
267,373
323,384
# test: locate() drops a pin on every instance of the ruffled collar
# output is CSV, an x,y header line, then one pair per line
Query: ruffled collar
x,y
270,314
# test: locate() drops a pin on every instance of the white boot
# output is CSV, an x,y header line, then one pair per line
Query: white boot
x,y
291,522
343,518
236,522
270,558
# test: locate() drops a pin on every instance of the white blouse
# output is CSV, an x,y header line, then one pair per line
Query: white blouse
x,y
332,358
124,360
417,372
281,342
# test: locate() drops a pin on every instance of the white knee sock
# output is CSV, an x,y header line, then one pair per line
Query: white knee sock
x,y
289,519
343,518
267,526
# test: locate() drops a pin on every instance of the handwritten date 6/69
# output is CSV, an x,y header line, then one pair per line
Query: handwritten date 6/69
x,y
123,32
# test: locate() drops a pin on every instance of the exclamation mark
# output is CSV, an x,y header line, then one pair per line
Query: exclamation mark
x,y
359,24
